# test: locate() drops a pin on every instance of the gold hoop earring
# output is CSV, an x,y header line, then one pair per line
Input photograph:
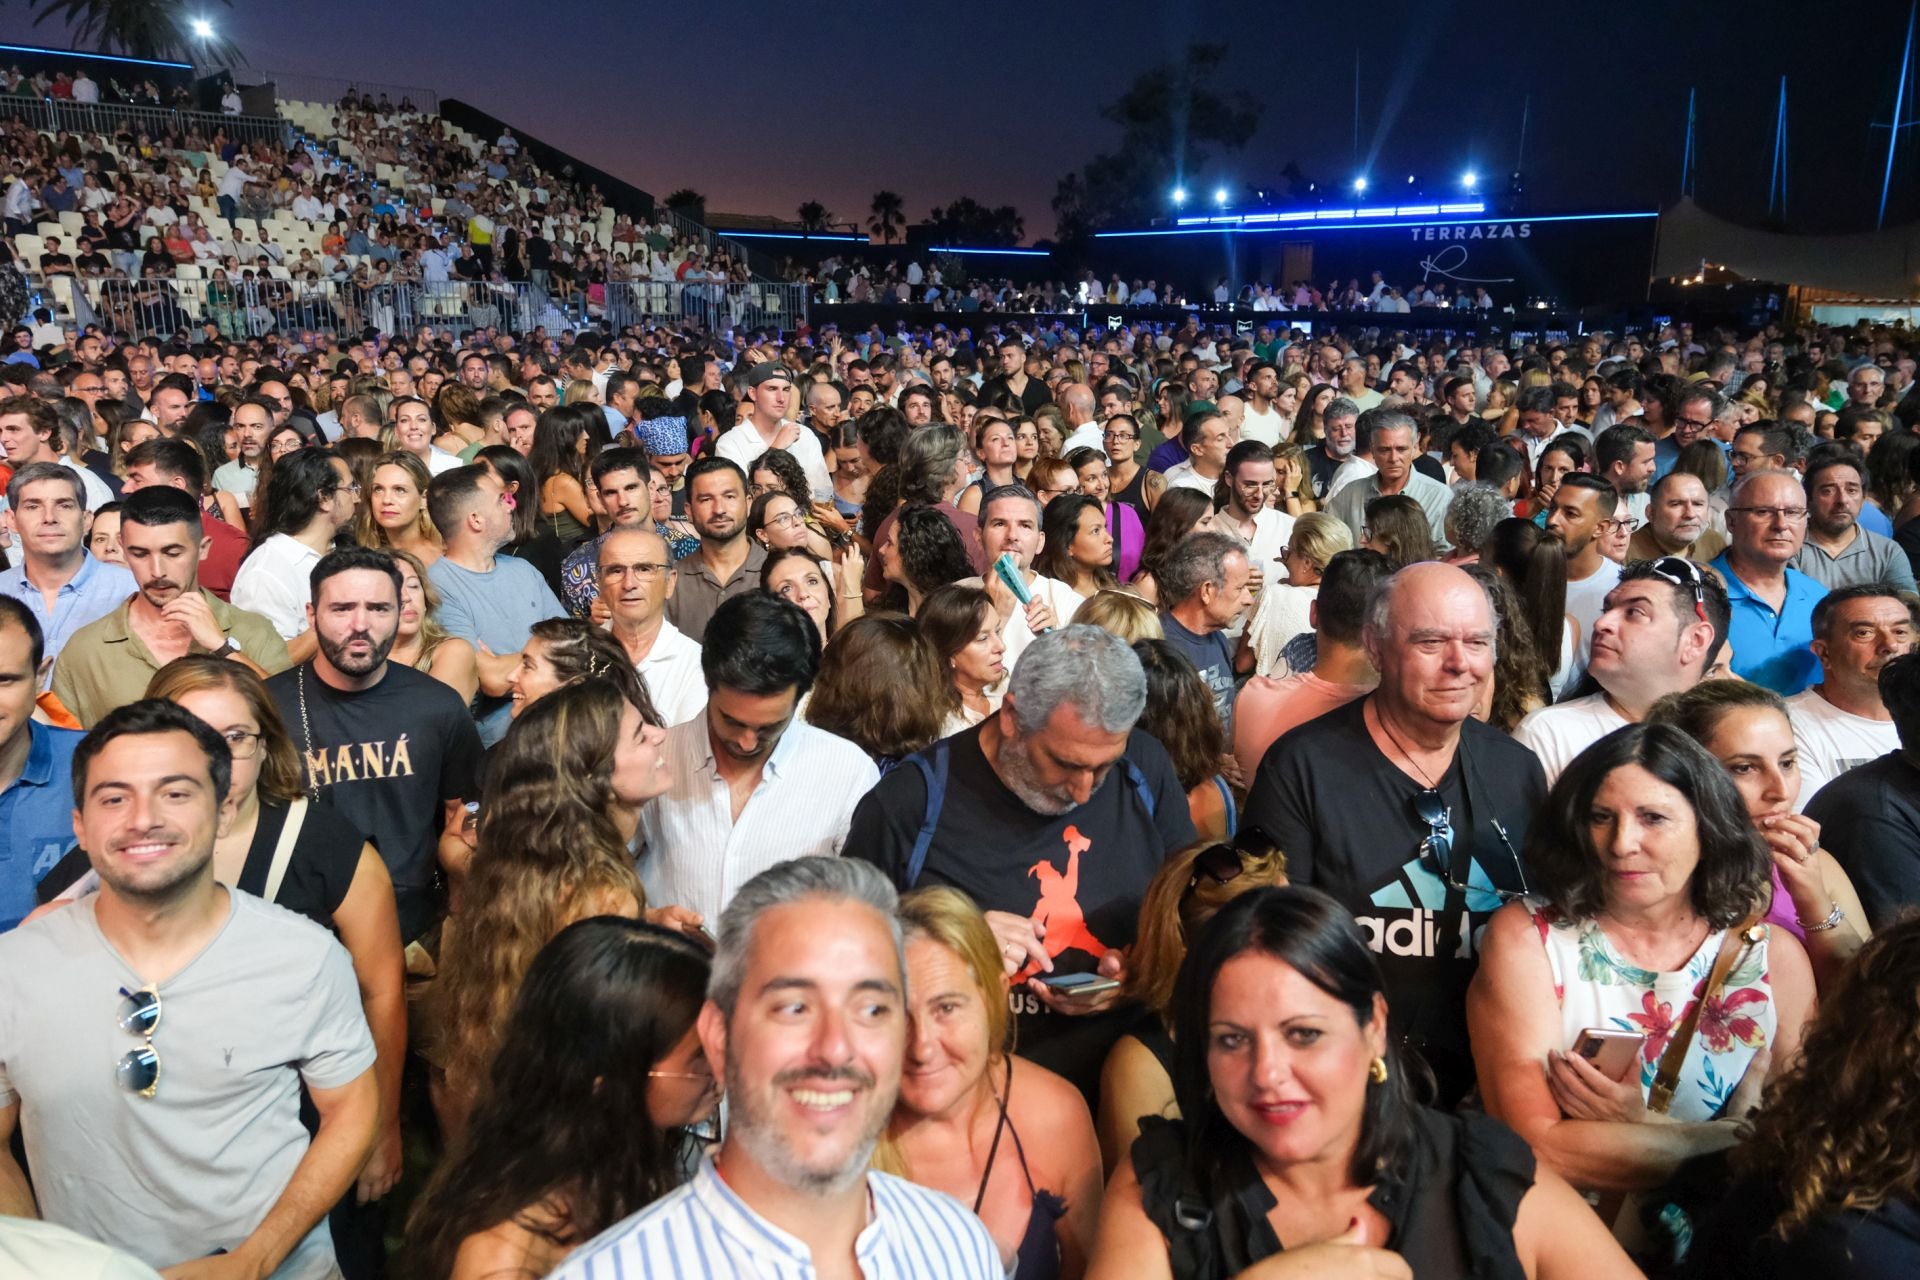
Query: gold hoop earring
x,y
1377,1071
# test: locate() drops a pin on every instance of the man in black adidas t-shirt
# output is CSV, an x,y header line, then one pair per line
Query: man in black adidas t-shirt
x,y
1053,815
1347,798
391,749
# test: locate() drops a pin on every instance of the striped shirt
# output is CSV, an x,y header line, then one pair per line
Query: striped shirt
x,y
704,1229
693,854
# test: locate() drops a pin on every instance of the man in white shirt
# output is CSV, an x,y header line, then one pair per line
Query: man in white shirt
x,y
753,783
1010,525
30,432
1084,428
1261,420
1581,505
1208,438
770,390
1663,626
1392,437
312,497
1538,427
85,88
1249,516
1841,722
232,183
636,578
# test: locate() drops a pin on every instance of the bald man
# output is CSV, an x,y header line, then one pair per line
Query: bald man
x,y
1084,430
636,580
1406,809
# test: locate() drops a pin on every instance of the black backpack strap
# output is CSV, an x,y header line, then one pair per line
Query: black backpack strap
x,y
932,764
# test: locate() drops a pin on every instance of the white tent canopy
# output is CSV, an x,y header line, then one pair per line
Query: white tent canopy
x,y
1873,264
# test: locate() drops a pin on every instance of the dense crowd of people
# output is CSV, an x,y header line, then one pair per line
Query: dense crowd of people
x,y
972,801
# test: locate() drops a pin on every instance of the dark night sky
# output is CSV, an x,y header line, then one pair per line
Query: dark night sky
x,y
764,105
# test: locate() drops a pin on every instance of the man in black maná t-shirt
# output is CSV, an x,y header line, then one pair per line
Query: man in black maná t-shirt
x,y
1407,810
1205,583
390,749
1869,816
1053,815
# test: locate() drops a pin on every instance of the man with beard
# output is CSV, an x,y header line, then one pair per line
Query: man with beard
x,y
753,785
1838,551
1678,509
390,749
806,1022
108,662
728,562
1053,815
187,1141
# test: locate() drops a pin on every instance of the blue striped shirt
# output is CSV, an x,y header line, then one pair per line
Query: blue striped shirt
x,y
704,1229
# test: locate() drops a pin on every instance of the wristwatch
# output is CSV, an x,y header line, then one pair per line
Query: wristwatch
x,y
228,649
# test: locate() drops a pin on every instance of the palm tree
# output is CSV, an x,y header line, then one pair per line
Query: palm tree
x,y
814,216
140,28
688,203
889,215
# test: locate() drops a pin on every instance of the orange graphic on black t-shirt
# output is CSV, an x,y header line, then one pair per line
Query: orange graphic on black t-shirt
x,y
1063,924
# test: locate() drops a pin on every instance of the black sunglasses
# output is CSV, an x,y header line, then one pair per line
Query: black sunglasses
x,y
138,1070
1686,575
1437,846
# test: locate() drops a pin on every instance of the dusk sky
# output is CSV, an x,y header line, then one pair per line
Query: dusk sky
x,y
762,106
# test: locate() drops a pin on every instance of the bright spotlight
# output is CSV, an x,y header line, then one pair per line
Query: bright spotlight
x,y
1219,195
203,29
1469,179
1409,179
1360,185
1179,195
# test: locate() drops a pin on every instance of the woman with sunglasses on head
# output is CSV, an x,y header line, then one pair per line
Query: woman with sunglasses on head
x,y
562,1146
1301,1151
304,857
1647,925
1190,886
1746,728
1009,1138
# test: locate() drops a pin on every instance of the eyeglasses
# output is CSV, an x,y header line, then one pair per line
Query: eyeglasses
x,y
241,744
1693,422
786,520
138,1070
643,569
1790,515
1626,524
1431,808
1685,574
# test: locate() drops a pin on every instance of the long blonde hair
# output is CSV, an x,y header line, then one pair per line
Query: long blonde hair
x,y
432,634
1178,902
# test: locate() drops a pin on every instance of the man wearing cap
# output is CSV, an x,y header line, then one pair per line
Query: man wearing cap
x,y
769,391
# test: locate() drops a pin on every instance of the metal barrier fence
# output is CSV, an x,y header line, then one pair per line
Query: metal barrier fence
x,y
52,115
159,308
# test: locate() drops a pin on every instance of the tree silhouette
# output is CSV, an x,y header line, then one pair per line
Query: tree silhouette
x,y
814,216
1168,118
160,29
889,216
688,203
968,222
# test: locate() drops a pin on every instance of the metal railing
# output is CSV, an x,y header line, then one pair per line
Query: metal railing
x,y
253,308
52,115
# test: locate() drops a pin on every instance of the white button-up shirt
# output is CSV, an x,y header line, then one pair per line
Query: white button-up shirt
x,y
693,854
705,1229
273,582
672,672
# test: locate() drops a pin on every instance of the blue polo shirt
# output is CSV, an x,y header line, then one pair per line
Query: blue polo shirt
x,y
1773,649
91,594
36,818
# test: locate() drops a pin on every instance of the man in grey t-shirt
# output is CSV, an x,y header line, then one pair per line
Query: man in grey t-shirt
x,y
486,598
154,1037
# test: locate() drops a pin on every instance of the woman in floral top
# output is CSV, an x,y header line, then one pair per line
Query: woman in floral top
x,y
1644,861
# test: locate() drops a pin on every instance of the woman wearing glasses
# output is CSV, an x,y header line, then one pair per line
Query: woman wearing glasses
x,y
305,858
562,1146
1011,1139
1137,1079
1648,928
1300,1150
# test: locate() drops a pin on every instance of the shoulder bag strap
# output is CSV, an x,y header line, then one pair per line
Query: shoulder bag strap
x,y
283,849
1667,1078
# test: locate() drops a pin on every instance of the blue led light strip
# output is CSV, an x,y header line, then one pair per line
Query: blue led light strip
x,y
1330,214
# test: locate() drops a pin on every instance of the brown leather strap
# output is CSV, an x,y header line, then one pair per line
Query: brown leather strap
x,y
1667,1078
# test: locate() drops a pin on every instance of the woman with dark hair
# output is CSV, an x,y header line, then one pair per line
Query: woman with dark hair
x,y
1137,1077
1309,427
1622,1018
1397,527
923,554
964,629
1564,456
560,1147
1078,548
831,596
1535,563
410,430
1746,728
562,446
1124,527
532,541
456,411
1180,715
718,414
993,445
560,804
1178,513
1830,1181
1519,684
1301,1151
561,650
777,522
880,688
